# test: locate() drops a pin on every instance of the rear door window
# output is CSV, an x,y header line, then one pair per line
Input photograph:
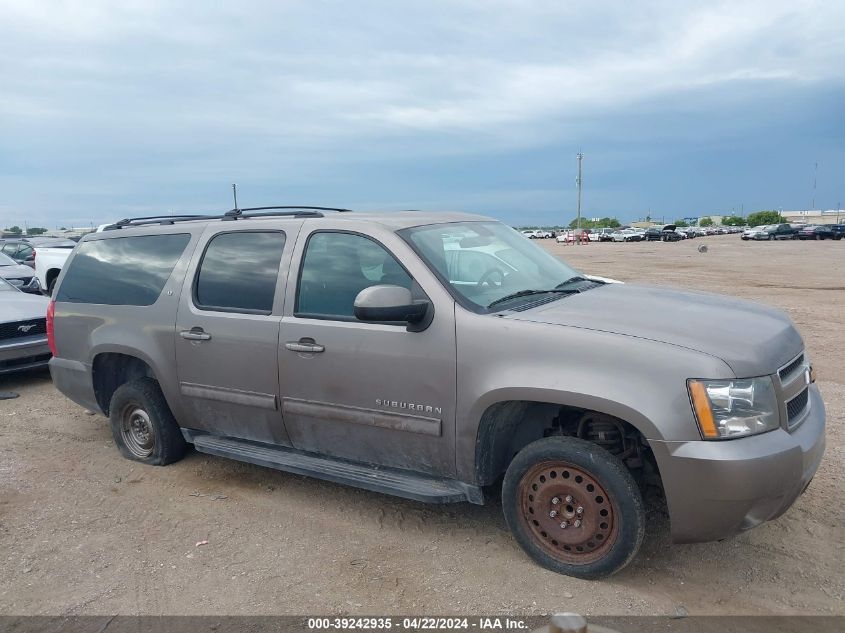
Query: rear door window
x,y
238,272
123,270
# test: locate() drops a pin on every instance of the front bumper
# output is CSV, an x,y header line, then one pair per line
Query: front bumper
x,y
717,489
19,354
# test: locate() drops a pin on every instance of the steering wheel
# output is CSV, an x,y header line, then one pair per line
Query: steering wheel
x,y
486,278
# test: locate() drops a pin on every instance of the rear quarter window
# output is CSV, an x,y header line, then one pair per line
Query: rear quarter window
x,y
122,271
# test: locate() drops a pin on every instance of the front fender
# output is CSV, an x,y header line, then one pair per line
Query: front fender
x,y
637,380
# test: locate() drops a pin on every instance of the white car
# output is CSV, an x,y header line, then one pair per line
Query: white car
x,y
756,233
48,265
626,235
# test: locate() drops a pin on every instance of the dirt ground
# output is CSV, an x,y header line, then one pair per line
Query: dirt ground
x,y
83,531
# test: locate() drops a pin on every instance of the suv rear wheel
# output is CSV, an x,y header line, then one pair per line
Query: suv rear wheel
x,y
143,427
573,507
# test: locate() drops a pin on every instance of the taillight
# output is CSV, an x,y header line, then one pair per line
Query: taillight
x,y
33,254
51,336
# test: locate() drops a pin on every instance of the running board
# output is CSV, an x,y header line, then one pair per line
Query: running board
x,y
389,481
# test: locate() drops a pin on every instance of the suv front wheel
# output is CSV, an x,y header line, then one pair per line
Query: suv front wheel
x,y
143,427
573,507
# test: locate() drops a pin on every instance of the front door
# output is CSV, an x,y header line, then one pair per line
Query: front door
x,y
227,334
369,392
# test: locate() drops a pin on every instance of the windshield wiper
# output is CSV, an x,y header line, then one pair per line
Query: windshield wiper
x,y
526,293
576,278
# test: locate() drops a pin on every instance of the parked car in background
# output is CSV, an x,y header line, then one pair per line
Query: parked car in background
x,y
604,234
49,263
838,230
669,233
782,232
24,249
756,233
23,330
816,232
652,234
18,275
570,237
626,235
537,234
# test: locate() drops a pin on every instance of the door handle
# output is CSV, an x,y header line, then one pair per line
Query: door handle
x,y
195,334
305,345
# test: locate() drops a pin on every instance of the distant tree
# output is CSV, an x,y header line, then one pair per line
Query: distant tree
x,y
595,224
765,217
35,230
733,220
681,223
705,222
63,229
15,229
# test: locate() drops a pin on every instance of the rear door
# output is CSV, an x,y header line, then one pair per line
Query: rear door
x,y
227,331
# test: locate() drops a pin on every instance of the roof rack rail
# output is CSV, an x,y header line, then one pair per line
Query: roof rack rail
x,y
234,214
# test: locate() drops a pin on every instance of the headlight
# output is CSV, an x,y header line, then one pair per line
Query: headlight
x,y
734,408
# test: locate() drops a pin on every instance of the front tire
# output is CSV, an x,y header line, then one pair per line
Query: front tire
x,y
573,507
142,425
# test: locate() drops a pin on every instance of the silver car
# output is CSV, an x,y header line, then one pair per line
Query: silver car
x,y
23,330
434,357
20,276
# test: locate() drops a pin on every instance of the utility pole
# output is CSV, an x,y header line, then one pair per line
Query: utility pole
x,y
815,178
235,194
578,221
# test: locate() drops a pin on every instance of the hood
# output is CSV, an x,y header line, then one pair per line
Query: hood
x,y
19,306
18,271
751,338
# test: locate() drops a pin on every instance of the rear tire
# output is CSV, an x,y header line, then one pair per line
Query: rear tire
x,y
142,425
546,485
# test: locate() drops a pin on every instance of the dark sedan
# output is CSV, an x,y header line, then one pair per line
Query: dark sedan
x,y
814,232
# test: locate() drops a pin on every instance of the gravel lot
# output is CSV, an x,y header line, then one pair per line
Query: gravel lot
x,y
83,531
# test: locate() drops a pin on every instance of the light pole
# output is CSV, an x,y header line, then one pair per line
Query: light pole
x,y
578,219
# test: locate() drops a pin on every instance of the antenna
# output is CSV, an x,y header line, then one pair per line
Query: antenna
x,y
235,194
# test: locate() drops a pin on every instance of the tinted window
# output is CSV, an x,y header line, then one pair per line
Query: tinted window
x,y
337,267
10,249
239,271
123,270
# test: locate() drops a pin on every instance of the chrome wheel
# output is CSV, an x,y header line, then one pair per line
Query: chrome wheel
x,y
568,512
137,431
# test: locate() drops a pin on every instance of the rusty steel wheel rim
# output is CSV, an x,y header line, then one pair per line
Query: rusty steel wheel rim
x,y
568,512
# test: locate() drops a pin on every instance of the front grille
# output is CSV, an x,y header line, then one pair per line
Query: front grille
x,y
19,329
783,372
796,406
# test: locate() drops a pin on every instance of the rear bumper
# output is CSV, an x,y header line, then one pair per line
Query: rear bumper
x,y
715,490
74,380
23,353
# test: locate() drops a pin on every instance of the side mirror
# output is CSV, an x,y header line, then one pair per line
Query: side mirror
x,y
389,303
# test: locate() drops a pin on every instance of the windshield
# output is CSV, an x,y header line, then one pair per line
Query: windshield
x,y
484,262
5,260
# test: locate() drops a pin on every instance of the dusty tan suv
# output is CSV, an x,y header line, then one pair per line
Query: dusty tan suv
x,y
433,356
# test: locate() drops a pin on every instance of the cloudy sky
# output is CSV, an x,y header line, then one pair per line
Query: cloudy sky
x,y
113,109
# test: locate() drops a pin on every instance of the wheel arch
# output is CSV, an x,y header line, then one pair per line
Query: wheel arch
x,y
111,369
507,424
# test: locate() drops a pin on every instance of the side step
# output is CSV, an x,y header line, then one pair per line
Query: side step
x,y
390,481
